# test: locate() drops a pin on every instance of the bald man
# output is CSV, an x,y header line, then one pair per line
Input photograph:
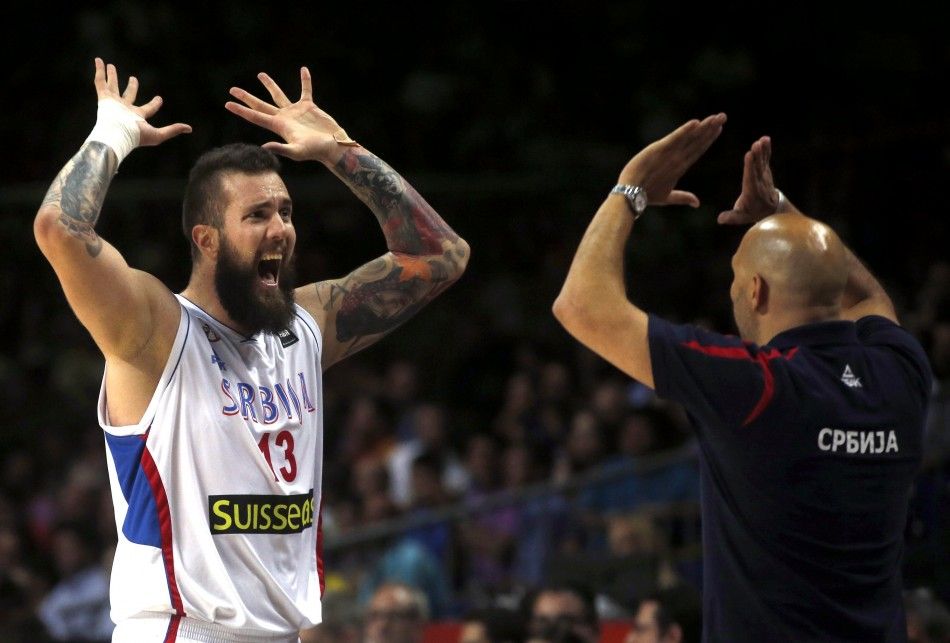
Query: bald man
x,y
809,425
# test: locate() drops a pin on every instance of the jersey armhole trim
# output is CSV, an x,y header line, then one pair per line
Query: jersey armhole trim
x,y
171,366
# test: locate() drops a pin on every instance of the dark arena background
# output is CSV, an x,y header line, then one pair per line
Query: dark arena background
x,y
542,463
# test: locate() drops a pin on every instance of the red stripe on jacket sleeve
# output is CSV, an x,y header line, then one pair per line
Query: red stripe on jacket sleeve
x,y
762,358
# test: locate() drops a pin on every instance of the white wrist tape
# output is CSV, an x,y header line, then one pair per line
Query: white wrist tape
x,y
117,127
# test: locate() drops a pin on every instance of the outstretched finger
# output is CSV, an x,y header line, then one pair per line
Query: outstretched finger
x,y
306,85
677,136
705,135
762,149
766,144
688,142
283,149
171,131
263,120
682,197
131,90
280,98
749,171
100,77
112,78
150,136
150,108
732,217
252,101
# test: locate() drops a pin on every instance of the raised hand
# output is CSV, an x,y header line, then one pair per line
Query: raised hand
x,y
758,198
107,87
308,131
660,165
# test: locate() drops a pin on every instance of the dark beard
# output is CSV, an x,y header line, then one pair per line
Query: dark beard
x,y
238,288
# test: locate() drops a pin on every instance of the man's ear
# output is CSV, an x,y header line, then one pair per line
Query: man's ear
x,y
760,294
207,238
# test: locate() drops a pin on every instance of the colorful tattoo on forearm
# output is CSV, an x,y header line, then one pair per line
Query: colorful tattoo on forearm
x,y
410,224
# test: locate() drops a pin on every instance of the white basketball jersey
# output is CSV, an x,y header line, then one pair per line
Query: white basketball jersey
x,y
217,490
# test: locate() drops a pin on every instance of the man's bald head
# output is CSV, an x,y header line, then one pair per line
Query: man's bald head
x,y
790,267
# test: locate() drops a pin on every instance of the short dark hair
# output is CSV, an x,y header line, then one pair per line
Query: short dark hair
x,y
430,462
501,625
582,592
202,201
681,605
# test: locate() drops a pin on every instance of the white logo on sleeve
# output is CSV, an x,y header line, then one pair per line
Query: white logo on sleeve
x,y
849,378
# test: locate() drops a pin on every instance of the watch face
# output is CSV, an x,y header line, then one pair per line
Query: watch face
x,y
640,201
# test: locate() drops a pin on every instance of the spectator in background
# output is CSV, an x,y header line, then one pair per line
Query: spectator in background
x,y
427,424
637,558
371,487
397,613
517,419
409,562
584,448
672,615
556,398
492,625
399,390
481,460
367,434
563,614
649,429
541,520
627,485
928,620
77,608
488,537
428,494
21,587
937,340
609,401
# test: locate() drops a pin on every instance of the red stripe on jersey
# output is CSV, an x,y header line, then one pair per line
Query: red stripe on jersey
x,y
762,358
171,635
165,528
320,548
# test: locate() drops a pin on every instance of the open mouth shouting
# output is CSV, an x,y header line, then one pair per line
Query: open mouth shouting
x,y
268,268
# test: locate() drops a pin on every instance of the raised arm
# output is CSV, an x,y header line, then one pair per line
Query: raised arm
x,y
121,308
759,198
425,255
593,304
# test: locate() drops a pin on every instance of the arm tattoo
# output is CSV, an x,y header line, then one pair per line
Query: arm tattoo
x,y
79,191
384,293
410,224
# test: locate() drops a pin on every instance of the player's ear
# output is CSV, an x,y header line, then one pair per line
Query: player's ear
x,y
207,239
760,294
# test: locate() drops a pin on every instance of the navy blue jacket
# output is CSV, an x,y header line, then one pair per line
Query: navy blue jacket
x,y
809,446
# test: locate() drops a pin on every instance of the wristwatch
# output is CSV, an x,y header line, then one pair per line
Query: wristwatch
x,y
636,197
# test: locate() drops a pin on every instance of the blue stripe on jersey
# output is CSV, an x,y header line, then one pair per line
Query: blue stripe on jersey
x,y
141,520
